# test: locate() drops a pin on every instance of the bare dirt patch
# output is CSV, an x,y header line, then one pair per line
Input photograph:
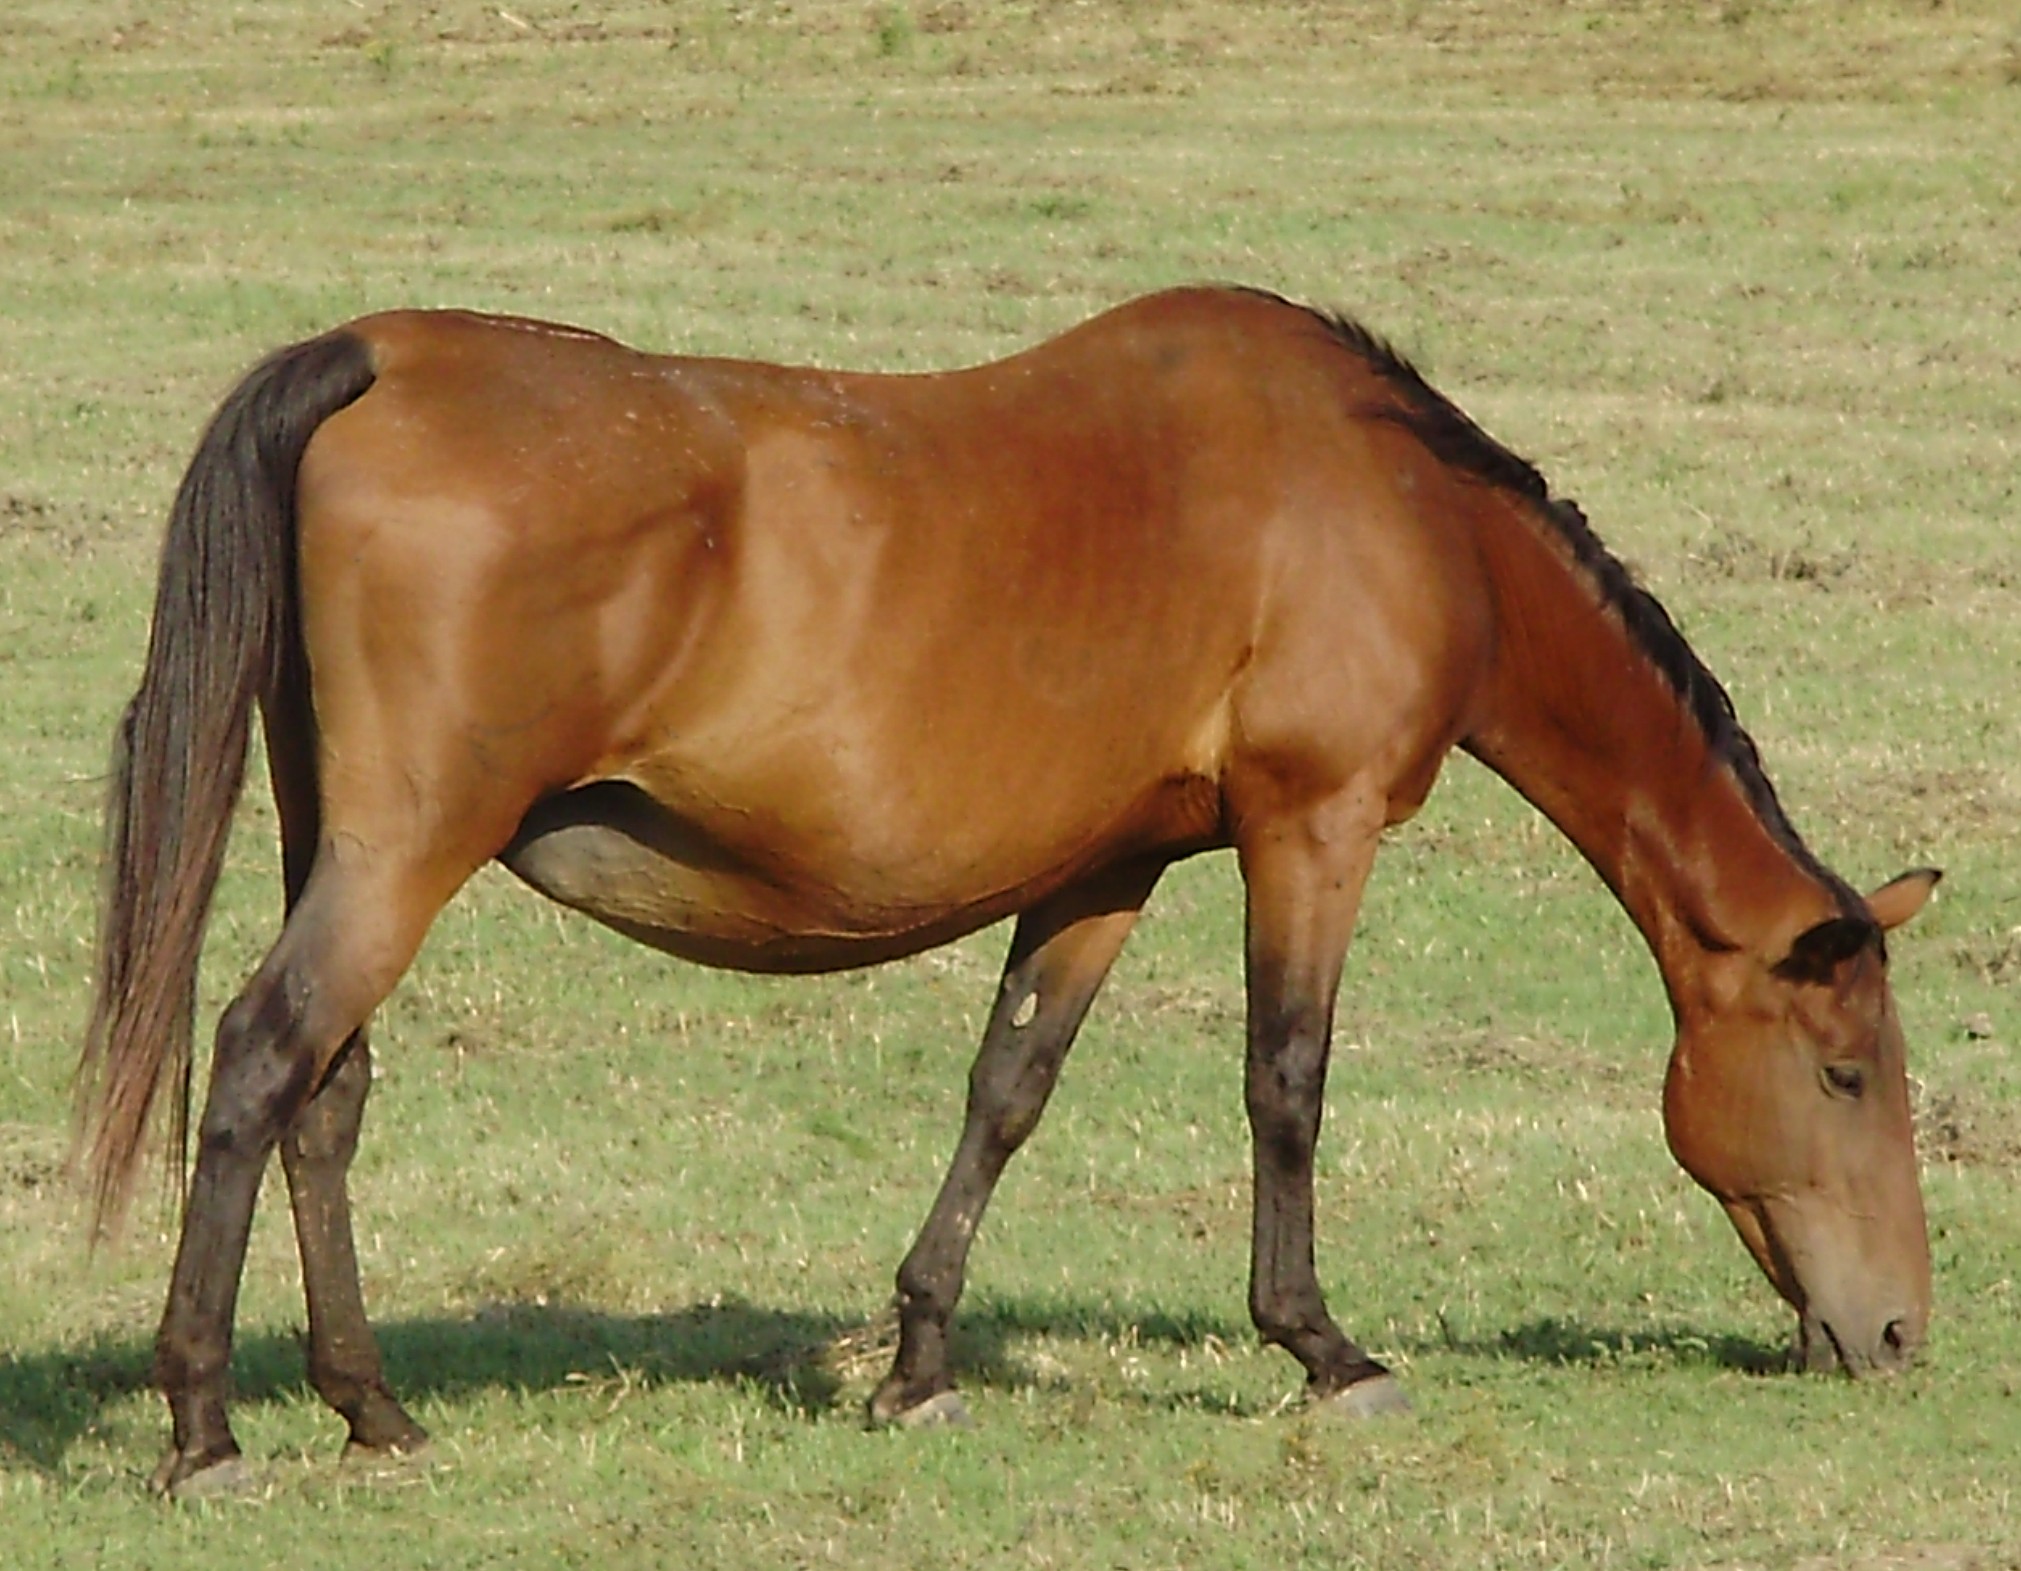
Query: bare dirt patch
x,y
1965,1128
1914,1557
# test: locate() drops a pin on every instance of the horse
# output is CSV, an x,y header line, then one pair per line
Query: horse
x,y
791,670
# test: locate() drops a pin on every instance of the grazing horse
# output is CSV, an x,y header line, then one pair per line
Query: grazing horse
x,y
790,670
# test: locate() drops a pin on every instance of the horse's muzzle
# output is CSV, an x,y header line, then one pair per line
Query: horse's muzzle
x,y
1823,1348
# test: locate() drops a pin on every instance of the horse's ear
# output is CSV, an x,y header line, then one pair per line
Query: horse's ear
x,y
1901,898
1819,951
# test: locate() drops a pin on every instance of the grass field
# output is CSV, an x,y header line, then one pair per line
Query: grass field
x,y
1742,277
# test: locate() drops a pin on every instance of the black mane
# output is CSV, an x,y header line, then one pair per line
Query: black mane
x,y
1452,437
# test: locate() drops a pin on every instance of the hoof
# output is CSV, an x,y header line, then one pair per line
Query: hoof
x,y
1374,1397
228,1478
374,1462
942,1410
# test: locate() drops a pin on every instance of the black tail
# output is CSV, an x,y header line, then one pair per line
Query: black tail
x,y
225,621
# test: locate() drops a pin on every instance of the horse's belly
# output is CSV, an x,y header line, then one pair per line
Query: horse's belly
x,y
613,853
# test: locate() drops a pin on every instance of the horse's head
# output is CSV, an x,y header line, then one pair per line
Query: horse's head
x,y
1788,1098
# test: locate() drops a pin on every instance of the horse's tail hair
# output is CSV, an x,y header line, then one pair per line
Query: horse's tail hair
x,y
226,625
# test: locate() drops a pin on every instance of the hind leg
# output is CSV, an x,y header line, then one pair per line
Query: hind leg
x,y
343,947
1059,955
344,1361
317,1150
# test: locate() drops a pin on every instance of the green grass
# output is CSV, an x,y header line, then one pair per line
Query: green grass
x,y
1739,277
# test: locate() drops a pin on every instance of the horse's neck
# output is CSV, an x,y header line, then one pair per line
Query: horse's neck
x,y
1582,721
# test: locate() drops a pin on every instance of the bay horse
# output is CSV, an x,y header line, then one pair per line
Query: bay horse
x,y
790,670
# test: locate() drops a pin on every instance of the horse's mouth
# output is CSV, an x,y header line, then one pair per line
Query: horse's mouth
x,y
1818,1348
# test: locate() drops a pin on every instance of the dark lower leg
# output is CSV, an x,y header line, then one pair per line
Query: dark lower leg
x,y
930,1279
1285,1089
344,1361
276,1046
1013,1076
252,1085
1057,961
192,1350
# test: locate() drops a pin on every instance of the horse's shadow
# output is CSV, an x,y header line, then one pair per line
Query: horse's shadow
x,y
1577,1344
802,1362
48,1400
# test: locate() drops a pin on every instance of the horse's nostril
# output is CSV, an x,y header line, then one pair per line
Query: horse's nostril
x,y
1895,1338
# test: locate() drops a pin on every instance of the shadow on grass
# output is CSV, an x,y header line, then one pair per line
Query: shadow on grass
x,y
1576,1344
48,1400
802,1362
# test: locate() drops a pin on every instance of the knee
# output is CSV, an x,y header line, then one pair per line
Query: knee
x,y
1286,1082
1283,1118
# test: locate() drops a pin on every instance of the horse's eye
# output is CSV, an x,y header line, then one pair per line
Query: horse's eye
x,y
1847,1080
